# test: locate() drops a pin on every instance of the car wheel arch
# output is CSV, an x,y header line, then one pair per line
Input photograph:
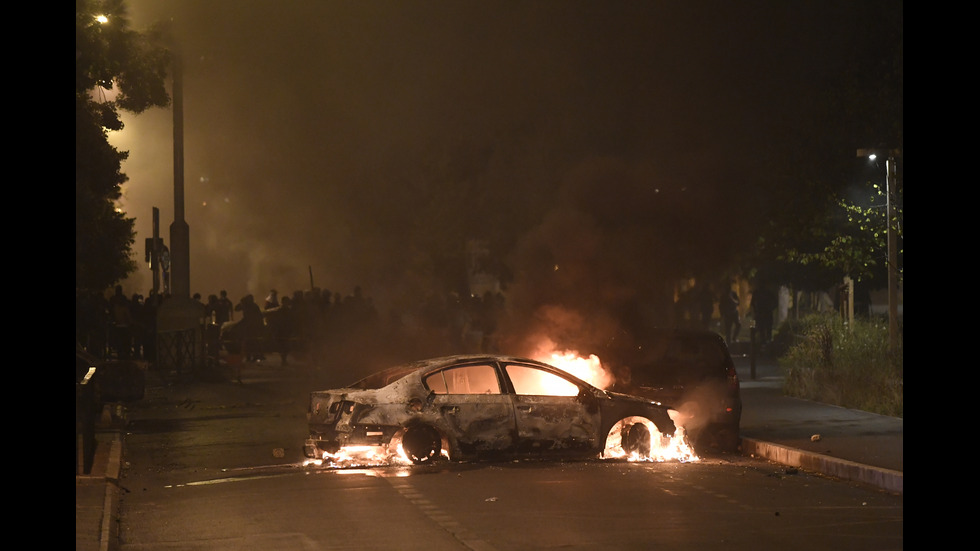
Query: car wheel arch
x,y
621,436
418,440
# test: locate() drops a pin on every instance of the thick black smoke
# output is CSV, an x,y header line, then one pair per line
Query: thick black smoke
x,y
603,149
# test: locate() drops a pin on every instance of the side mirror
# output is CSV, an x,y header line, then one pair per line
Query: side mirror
x,y
587,398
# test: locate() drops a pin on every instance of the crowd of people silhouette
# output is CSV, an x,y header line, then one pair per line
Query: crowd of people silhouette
x,y
314,324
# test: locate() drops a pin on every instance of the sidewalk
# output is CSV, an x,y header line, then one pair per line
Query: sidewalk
x,y
843,443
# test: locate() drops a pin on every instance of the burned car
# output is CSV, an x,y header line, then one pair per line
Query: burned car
x,y
692,371
482,406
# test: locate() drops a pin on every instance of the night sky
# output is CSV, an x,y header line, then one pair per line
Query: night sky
x,y
351,138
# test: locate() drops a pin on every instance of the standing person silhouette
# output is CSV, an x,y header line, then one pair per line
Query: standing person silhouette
x,y
732,325
253,325
212,330
706,306
764,303
280,323
150,307
224,310
121,318
272,301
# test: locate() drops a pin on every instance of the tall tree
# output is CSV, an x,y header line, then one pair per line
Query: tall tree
x,y
116,68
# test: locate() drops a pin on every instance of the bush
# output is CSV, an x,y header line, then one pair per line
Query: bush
x,y
826,360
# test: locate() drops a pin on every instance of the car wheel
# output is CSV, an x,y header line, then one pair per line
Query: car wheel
x,y
422,444
309,450
727,440
636,439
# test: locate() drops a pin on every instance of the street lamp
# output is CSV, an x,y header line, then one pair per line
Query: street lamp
x,y
179,319
891,186
179,231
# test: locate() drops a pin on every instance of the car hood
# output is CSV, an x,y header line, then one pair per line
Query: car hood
x,y
633,397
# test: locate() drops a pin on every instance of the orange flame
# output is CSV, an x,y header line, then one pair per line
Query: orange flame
x,y
361,456
589,369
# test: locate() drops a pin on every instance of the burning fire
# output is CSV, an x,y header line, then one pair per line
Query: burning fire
x,y
662,448
362,456
356,456
590,370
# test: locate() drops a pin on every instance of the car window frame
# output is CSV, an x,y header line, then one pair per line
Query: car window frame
x,y
567,377
441,372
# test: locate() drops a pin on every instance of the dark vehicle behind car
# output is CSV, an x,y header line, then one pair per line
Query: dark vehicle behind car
x,y
691,371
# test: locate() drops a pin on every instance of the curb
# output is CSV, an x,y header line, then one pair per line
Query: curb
x,y
885,479
106,469
110,521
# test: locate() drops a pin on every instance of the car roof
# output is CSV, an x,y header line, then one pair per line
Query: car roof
x,y
681,355
436,363
425,366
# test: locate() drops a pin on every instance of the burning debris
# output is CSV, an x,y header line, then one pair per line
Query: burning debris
x,y
361,456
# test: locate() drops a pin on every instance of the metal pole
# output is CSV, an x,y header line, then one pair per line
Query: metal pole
x,y
891,188
179,232
155,259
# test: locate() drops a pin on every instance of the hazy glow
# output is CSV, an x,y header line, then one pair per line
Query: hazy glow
x,y
351,146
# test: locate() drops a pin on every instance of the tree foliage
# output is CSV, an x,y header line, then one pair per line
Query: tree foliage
x,y
111,61
855,239
832,227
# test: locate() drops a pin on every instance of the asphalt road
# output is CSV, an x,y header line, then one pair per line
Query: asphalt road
x,y
778,436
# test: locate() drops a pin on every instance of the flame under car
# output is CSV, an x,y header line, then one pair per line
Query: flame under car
x,y
478,407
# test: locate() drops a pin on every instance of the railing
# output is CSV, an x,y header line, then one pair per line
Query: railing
x,y
178,350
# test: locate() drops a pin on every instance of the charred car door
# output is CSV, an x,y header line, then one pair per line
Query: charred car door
x,y
478,415
553,413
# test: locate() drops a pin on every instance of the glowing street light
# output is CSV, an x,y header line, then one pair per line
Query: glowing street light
x,y
891,186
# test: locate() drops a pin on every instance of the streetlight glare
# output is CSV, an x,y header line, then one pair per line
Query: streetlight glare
x,y
891,184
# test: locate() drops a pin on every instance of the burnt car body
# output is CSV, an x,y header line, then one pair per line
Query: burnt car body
x,y
481,406
692,371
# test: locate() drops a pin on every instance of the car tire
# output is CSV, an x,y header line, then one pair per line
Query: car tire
x,y
422,444
727,439
309,450
636,439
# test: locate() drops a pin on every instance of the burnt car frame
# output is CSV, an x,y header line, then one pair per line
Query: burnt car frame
x,y
692,371
482,407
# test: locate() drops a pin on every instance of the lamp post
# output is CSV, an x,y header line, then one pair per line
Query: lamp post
x,y
891,187
179,231
179,319
891,199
